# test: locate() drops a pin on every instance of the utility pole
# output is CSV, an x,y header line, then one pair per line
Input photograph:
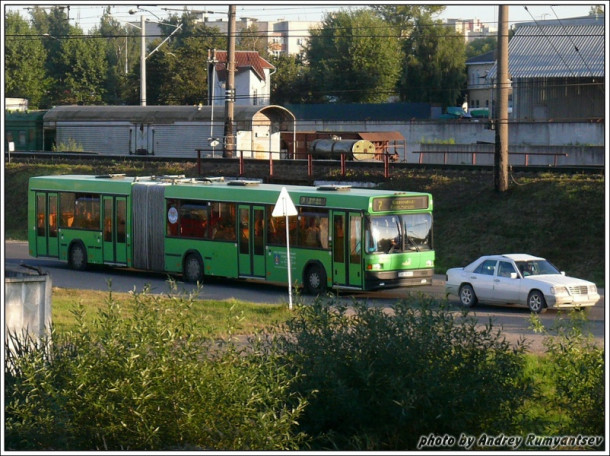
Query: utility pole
x,y
230,88
143,61
501,115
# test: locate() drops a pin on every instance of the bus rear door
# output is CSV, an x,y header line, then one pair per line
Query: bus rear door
x,y
347,249
47,242
251,241
114,229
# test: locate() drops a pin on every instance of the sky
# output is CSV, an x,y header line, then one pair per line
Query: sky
x,y
88,16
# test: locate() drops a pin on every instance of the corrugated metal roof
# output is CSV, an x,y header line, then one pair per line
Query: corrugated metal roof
x,y
361,111
555,51
160,114
482,58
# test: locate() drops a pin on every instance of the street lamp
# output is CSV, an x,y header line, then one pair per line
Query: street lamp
x,y
143,55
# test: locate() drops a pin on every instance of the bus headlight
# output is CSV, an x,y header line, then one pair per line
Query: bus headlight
x,y
374,267
429,263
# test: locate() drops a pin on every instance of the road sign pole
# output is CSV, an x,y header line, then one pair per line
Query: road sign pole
x,y
288,266
285,207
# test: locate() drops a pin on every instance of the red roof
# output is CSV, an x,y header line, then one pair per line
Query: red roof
x,y
243,60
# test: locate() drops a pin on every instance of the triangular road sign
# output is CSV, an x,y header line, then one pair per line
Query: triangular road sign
x,y
284,205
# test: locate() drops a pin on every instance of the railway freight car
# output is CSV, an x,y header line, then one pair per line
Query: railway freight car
x,y
169,131
321,144
23,130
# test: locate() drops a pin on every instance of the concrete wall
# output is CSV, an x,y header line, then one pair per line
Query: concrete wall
x,y
27,304
483,154
469,132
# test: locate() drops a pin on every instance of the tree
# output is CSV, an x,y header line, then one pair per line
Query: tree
x,y
76,64
177,73
291,81
434,56
354,57
120,49
25,75
481,46
250,39
86,68
403,17
435,66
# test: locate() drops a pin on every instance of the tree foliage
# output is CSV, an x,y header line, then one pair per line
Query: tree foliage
x,y
291,81
481,46
367,55
402,17
354,57
24,72
250,39
435,65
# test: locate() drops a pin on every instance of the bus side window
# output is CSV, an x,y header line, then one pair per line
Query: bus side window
x,y
121,220
53,216
40,214
66,208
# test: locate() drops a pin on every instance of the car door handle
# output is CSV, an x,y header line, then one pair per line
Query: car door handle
x,y
496,280
473,277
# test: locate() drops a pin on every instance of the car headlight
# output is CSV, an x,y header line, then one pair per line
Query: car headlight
x,y
592,288
559,290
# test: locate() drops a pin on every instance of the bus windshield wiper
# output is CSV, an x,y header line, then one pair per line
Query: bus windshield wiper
x,y
413,244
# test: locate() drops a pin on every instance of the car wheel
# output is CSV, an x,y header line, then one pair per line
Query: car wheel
x,y
536,302
315,279
468,298
193,269
77,257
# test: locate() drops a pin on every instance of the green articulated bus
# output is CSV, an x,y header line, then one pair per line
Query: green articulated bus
x,y
342,237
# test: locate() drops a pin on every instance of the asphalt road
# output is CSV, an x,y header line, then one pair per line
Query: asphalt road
x,y
513,320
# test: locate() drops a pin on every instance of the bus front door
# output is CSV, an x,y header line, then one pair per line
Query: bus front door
x,y
47,241
347,249
114,229
251,240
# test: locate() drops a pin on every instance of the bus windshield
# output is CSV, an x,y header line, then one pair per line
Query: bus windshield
x,y
398,233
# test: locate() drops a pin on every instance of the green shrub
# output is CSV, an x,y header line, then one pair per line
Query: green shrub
x,y
149,382
575,367
378,381
69,146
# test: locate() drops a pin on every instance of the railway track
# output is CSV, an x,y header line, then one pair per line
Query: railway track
x,y
259,165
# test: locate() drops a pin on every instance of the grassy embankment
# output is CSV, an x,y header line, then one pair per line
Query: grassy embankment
x,y
560,217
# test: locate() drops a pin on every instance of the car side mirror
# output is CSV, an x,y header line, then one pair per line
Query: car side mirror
x,y
563,273
513,275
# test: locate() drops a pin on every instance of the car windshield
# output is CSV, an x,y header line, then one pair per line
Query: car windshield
x,y
536,267
399,233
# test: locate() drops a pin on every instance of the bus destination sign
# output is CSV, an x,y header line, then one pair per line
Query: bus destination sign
x,y
312,201
400,203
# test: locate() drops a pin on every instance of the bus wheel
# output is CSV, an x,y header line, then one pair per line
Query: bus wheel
x,y
77,258
315,279
193,269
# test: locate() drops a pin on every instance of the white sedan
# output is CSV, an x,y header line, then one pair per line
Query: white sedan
x,y
518,279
